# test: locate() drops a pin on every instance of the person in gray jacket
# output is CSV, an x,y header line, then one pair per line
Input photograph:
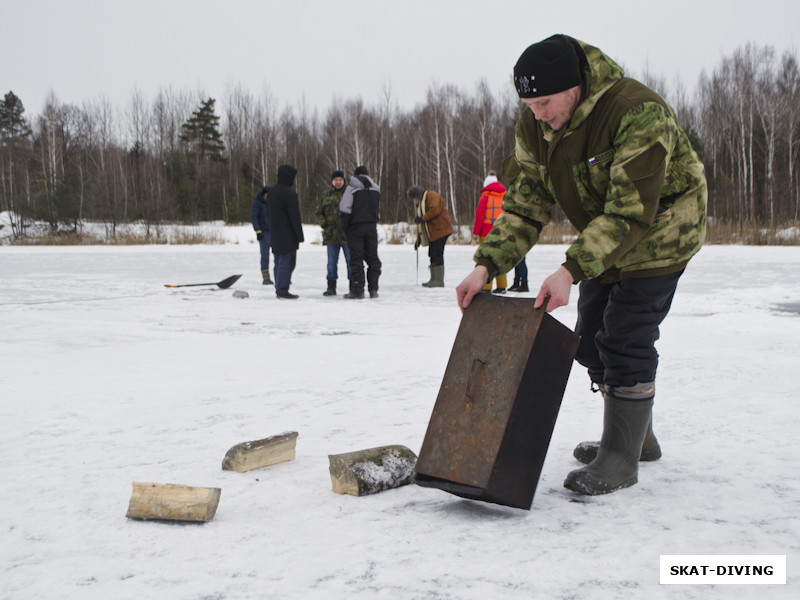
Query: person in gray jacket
x,y
360,211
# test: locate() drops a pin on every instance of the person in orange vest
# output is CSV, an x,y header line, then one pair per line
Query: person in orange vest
x,y
490,206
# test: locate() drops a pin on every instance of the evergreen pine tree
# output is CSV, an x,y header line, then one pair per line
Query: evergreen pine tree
x,y
201,186
201,132
12,122
14,153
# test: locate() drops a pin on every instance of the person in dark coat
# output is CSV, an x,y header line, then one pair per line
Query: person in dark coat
x,y
260,221
286,229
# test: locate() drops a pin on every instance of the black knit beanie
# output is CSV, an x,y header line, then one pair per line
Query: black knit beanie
x,y
547,67
336,174
360,170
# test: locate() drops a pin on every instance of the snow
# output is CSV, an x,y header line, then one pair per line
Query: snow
x,y
109,378
392,470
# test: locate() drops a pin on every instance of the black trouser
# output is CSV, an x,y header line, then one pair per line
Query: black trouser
x,y
362,239
284,267
521,272
436,251
618,324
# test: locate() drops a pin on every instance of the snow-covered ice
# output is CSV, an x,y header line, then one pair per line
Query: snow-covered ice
x,y
107,377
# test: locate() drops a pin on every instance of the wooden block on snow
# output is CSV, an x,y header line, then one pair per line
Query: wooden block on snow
x,y
172,502
260,453
370,471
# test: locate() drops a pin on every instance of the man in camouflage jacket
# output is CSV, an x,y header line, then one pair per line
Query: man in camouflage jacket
x,y
608,151
332,233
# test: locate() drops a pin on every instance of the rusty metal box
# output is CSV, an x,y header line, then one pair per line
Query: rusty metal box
x,y
498,402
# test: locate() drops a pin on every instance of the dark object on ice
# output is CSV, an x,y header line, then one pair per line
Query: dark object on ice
x,y
790,307
224,284
497,406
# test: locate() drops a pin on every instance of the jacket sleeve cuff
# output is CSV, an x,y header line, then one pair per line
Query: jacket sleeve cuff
x,y
576,272
490,266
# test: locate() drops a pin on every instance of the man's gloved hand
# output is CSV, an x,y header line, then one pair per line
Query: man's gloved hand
x,y
418,220
259,235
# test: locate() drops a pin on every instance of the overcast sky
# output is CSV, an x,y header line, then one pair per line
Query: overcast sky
x,y
323,49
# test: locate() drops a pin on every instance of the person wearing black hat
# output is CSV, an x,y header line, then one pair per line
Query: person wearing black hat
x,y
260,221
610,153
332,234
549,80
286,229
359,212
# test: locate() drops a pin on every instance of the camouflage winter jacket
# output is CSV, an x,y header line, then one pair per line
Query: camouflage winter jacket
x,y
623,172
328,216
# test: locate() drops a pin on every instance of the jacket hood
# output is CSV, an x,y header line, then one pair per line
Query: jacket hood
x,y
356,183
600,72
286,175
495,187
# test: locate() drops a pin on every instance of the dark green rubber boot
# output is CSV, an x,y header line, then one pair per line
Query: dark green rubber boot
x,y
586,452
625,424
437,277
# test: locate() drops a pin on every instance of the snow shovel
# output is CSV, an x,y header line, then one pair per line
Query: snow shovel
x,y
224,284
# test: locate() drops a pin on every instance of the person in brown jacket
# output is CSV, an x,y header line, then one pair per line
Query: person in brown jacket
x,y
434,228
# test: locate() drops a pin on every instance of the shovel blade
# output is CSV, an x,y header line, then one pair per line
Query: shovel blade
x,y
226,283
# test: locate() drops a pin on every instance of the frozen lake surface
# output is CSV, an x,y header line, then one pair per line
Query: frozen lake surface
x,y
107,377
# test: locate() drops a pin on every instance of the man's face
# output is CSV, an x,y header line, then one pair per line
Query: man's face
x,y
556,109
338,182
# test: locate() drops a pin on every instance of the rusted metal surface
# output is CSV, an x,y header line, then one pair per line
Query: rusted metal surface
x,y
498,402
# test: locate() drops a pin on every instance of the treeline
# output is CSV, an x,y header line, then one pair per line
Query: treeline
x,y
176,159
180,157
